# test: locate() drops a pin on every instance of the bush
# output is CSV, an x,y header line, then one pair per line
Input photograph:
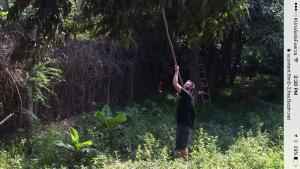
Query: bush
x,y
228,94
102,161
250,151
8,160
268,87
151,149
205,153
158,119
177,164
264,86
44,149
15,155
275,158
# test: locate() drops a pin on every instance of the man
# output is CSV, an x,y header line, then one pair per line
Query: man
x,y
185,114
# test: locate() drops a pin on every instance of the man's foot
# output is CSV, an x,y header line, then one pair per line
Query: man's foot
x,y
185,154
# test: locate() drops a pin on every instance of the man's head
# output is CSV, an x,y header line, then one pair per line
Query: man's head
x,y
189,85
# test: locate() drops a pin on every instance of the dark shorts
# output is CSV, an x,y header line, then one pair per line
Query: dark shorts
x,y
182,137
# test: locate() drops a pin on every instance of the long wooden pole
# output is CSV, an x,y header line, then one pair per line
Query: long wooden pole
x,y
6,118
170,41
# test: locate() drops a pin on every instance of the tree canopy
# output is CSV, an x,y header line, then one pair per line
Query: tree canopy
x,y
56,19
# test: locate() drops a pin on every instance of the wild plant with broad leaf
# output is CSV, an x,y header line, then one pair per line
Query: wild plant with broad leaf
x,y
76,147
105,119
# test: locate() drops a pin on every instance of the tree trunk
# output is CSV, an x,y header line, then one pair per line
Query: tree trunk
x,y
237,62
226,59
28,122
213,68
193,66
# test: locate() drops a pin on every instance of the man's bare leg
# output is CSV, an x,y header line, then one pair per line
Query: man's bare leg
x,y
185,154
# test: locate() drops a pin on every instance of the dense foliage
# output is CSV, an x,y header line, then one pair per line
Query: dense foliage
x,y
246,138
70,60
230,37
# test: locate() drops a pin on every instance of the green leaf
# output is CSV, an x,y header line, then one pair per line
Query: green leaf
x,y
74,135
84,144
61,144
100,117
106,110
120,118
3,14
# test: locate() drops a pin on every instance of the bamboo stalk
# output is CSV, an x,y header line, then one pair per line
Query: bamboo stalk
x,y
6,118
170,41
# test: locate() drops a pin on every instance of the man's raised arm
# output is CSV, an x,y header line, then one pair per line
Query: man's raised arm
x,y
175,79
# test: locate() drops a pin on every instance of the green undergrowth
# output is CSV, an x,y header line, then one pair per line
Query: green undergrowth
x,y
237,137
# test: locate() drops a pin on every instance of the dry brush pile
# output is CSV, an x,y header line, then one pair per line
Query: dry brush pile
x,y
95,72
11,81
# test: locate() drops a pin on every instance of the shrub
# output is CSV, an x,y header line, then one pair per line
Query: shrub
x,y
151,149
42,78
250,151
77,148
44,149
109,131
267,87
102,161
205,153
177,164
9,160
275,158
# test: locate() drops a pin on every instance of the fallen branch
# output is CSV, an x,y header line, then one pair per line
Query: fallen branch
x,y
7,118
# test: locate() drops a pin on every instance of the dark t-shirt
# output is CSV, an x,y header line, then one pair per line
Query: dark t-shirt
x,y
185,110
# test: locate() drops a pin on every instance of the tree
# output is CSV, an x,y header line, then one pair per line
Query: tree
x,y
264,48
196,19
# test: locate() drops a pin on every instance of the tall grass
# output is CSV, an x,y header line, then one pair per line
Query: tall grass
x,y
222,138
